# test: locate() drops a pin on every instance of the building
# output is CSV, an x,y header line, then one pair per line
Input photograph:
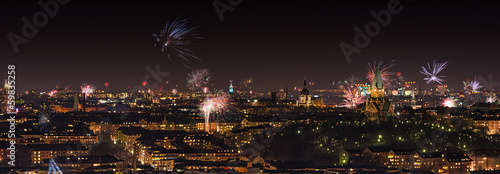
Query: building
x,y
485,107
459,163
377,105
404,159
94,163
64,137
305,98
434,162
486,159
40,152
488,125
318,102
231,88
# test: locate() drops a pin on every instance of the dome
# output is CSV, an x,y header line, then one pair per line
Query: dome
x,y
304,92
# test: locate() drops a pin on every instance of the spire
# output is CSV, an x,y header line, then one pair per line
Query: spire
x,y
286,92
377,79
305,84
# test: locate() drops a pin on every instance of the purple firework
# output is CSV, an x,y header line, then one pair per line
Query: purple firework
x,y
431,74
471,88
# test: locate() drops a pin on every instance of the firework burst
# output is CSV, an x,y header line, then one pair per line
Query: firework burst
x,y
352,96
431,74
44,120
52,93
87,89
449,102
491,97
197,79
174,38
217,107
471,88
384,70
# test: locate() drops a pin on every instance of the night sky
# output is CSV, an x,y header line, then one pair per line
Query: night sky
x,y
275,43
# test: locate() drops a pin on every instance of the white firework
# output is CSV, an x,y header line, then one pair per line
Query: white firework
x,y
174,38
432,73
450,102
53,168
491,98
471,88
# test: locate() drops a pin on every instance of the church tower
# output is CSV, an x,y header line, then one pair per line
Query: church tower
x,y
305,98
377,106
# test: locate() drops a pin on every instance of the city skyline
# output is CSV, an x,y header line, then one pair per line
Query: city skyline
x,y
238,86
275,43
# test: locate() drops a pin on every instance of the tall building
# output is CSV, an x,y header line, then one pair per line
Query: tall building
x,y
304,97
377,105
75,102
231,90
414,101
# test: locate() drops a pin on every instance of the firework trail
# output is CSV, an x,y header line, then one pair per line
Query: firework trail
x,y
352,96
87,89
197,79
471,88
384,70
44,120
106,85
491,97
53,168
52,93
449,102
174,38
217,107
431,74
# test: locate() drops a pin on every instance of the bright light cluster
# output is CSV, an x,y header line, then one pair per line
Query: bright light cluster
x,y
217,107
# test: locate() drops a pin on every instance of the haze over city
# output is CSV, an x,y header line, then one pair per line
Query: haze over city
x,y
275,43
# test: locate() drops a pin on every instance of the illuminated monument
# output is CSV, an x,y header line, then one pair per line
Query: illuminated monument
x,y
231,88
377,106
304,97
